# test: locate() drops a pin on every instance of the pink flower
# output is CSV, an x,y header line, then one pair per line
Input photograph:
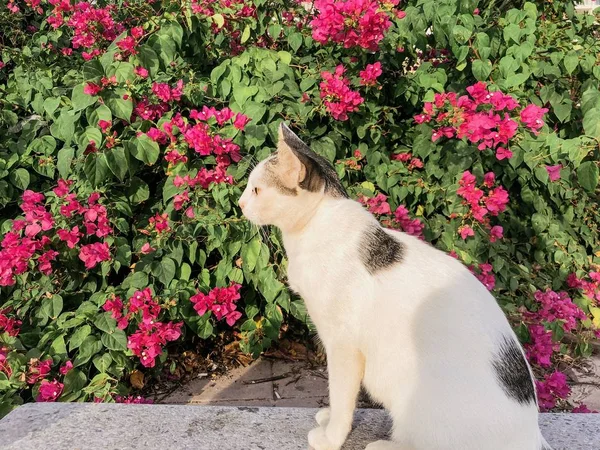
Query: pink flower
x,y
337,96
49,391
377,204
351,23
583,409
554,172
141,72
92,254
63,188
240,121
540,348
368,77
66,368
38,370
127,44
220,301
133,400
162,91
92,89
532,116
551,389
146,249
190,212
466,231
503,153
137,32
104,125
410,226
497,232
114,306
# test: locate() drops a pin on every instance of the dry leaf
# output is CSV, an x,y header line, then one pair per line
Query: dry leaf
x,y
137,379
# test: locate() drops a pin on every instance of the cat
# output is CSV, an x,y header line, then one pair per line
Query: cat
x,y
412,324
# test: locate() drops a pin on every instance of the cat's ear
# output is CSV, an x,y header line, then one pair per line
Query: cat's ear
x,y
292,171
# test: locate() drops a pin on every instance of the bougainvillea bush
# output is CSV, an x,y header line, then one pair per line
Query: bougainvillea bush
x,y
127,130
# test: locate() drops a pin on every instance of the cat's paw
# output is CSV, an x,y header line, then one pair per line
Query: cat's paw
x,y
381,445
322,416
317,439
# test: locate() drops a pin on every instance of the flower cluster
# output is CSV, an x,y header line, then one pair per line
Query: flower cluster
x,y
485,274
37,370
554,387
9,325
413,161
487,119
368,77
556,306
590,287
379,205
353,22
338,97
540,348
50,391
219,301
151,335
480,204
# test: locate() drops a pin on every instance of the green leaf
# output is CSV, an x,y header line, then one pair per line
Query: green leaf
x,y
173,30
96,169
295,40
105,323
591,123
148,59
587,175
116,340
571,62
20,178
461,34
79,336
482,69
52,307
65,158
245,34
144,149
117,162
124,72
120,107
74,381
165,48
168,270
250,253
242,93
51,104
88,348
80,100
325,147
138,191
102,362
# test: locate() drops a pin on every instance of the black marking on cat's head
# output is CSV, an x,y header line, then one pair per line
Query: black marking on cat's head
x,y
379,250
545,447
319,171
513,372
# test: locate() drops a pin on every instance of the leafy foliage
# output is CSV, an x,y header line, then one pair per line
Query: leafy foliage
x,y
138,124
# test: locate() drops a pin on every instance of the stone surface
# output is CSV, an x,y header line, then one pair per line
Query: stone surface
x,y
73,426
263,383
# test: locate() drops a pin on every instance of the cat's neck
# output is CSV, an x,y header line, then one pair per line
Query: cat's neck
x,y
333,219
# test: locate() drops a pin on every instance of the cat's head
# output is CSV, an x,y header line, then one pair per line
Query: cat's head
x,y
289,184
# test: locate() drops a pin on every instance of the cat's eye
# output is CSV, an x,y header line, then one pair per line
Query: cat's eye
x,y
255,190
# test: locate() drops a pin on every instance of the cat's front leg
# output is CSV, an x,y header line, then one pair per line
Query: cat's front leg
x,y
346,368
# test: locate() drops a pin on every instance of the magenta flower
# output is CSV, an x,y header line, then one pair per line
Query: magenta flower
x,y
532,116
92,254
92,89
240,121
368,77
141,72
146,249
466,231
497,232
49,391
66,368
503,153
337,96
554,172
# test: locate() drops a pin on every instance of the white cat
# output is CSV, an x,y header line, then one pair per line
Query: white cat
x,y
422,334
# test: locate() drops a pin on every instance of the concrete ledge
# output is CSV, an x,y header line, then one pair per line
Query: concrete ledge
x,y
70,426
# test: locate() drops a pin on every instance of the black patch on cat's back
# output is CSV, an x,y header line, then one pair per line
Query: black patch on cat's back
x,y
379,250
545,447
513,373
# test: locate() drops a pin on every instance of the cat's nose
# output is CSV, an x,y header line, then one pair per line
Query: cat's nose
x,y
242,204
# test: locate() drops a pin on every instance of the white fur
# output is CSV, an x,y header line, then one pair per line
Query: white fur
x,y
420,335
